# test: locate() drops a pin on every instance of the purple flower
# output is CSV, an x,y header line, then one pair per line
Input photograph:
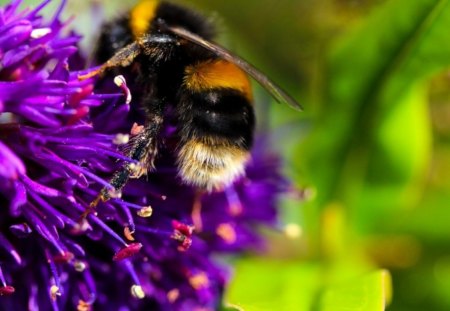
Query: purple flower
x,y
58,148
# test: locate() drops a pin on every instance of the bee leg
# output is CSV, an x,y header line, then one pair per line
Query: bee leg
x,y
93,205
140,169
196,213
124,57
143,149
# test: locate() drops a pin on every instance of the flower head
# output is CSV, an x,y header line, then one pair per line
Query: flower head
x,y
59,142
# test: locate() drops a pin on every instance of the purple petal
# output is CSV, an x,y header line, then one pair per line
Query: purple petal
x,y
41,189
15,35
18,200
11,166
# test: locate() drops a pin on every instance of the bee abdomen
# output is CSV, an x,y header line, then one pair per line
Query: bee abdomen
x,y
222,113
210,163
216,124
216,137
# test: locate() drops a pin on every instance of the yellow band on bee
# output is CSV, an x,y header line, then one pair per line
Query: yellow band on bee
x,y
217,74
141,16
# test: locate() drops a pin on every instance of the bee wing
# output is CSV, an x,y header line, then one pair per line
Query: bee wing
x,y
280,95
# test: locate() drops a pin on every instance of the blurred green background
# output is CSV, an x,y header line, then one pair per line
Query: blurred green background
x,y
370,154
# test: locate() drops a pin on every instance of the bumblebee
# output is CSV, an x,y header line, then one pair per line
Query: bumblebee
x,y
208,87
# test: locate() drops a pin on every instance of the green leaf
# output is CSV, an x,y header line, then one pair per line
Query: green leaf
x,y
228,307
370,293
267,285
372,141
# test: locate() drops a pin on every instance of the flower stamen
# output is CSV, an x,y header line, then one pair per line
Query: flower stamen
x,y
199,281
173,295
128,233
182,234
234,203
227,233
83,305
40,32
127,252
145,212
184,241
55,292
64,257
137,291
2,277
196,213
121,139
122,83
79,266
20,230
7,290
